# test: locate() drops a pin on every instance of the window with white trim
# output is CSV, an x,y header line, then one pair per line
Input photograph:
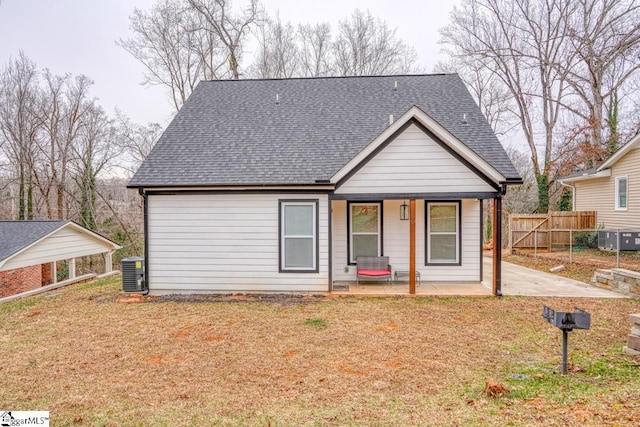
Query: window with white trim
x,y
622,190
443,233
364,230
299,236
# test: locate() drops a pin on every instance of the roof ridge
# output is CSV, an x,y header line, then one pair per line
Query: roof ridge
x,y
328,77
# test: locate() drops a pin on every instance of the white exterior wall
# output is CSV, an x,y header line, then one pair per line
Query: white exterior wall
x,y
225,243
62,244
413,163
396,243
599,194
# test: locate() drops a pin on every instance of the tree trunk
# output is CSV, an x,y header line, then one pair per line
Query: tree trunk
x,y
543,193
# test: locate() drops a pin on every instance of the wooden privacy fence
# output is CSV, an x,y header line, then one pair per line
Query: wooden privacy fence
x,y
547,231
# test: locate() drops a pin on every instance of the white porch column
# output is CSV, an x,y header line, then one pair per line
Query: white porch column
x,y
54,273
108,262
72,268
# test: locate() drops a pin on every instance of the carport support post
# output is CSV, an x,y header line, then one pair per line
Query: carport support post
x,y
72,268
412,246
54,272
497,246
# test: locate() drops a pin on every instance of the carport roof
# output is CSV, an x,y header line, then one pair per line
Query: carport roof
x,y
17,236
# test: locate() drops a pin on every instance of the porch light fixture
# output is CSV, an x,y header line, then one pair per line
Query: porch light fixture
x,y
404,211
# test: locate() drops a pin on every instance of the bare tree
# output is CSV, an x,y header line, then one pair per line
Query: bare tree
x,y
19,125
63,109
315,50
493,98
520,41
605,34
135,141
231,30
367,46
278,54
521,198
176,48
93,151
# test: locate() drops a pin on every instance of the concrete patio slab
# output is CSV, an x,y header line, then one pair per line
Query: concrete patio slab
x,y
519,280
424,289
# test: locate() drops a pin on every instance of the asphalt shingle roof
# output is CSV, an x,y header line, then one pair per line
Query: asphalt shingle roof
x,y
17,235
234,132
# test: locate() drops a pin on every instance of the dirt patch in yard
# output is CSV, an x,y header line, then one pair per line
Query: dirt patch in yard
x,y
579,265
334,361
278,299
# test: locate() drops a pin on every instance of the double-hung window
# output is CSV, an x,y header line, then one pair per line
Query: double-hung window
x,y
299,235
443,233
364,230
622,190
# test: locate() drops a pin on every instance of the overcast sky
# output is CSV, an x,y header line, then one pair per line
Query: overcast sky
x,y
78,37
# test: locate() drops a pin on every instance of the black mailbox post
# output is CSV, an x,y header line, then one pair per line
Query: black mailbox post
x,y
578,319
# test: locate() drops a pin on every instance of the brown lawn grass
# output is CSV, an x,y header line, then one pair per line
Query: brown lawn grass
x,y
313,361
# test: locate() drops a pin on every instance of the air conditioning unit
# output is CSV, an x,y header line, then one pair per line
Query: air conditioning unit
x,y
629,240
133,274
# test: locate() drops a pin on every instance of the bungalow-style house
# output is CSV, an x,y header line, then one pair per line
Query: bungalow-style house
x,y
612,190
279,185
30,250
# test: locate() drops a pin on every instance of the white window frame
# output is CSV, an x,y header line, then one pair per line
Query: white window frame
x,y
429,233
313,268
617,193
352,259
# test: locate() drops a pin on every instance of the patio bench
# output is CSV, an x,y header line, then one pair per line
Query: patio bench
x,y
373,267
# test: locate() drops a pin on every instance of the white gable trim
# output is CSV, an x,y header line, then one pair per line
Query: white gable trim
x,y
438,130
635,142
109,245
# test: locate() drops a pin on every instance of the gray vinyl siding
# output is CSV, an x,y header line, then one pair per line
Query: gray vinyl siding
x,y
413,163
62,244
599,195
396,243
225,243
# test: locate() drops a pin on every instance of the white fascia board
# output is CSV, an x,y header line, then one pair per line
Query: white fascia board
x,y
635,141
320,187
438,130
601,174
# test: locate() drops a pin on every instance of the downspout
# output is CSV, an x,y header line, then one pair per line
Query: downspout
x,y
497,242
146,239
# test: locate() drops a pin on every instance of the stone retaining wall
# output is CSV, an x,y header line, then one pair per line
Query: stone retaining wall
x,y
633,340
619,280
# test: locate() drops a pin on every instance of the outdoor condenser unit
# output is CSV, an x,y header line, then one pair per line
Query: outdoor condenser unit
x,y
629,240
133,274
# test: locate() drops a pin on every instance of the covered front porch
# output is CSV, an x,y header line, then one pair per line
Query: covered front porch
x,y
434,245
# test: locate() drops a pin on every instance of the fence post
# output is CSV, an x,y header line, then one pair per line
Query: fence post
x,y
571,245
535,243
617,248
510,236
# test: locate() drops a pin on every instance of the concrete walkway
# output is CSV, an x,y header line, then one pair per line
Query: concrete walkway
x,y
519,280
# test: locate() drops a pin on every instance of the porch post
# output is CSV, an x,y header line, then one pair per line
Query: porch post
x,y
412,246
72,268
497,246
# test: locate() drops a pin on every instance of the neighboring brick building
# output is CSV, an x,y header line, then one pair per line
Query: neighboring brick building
x,y
29,251
20,280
